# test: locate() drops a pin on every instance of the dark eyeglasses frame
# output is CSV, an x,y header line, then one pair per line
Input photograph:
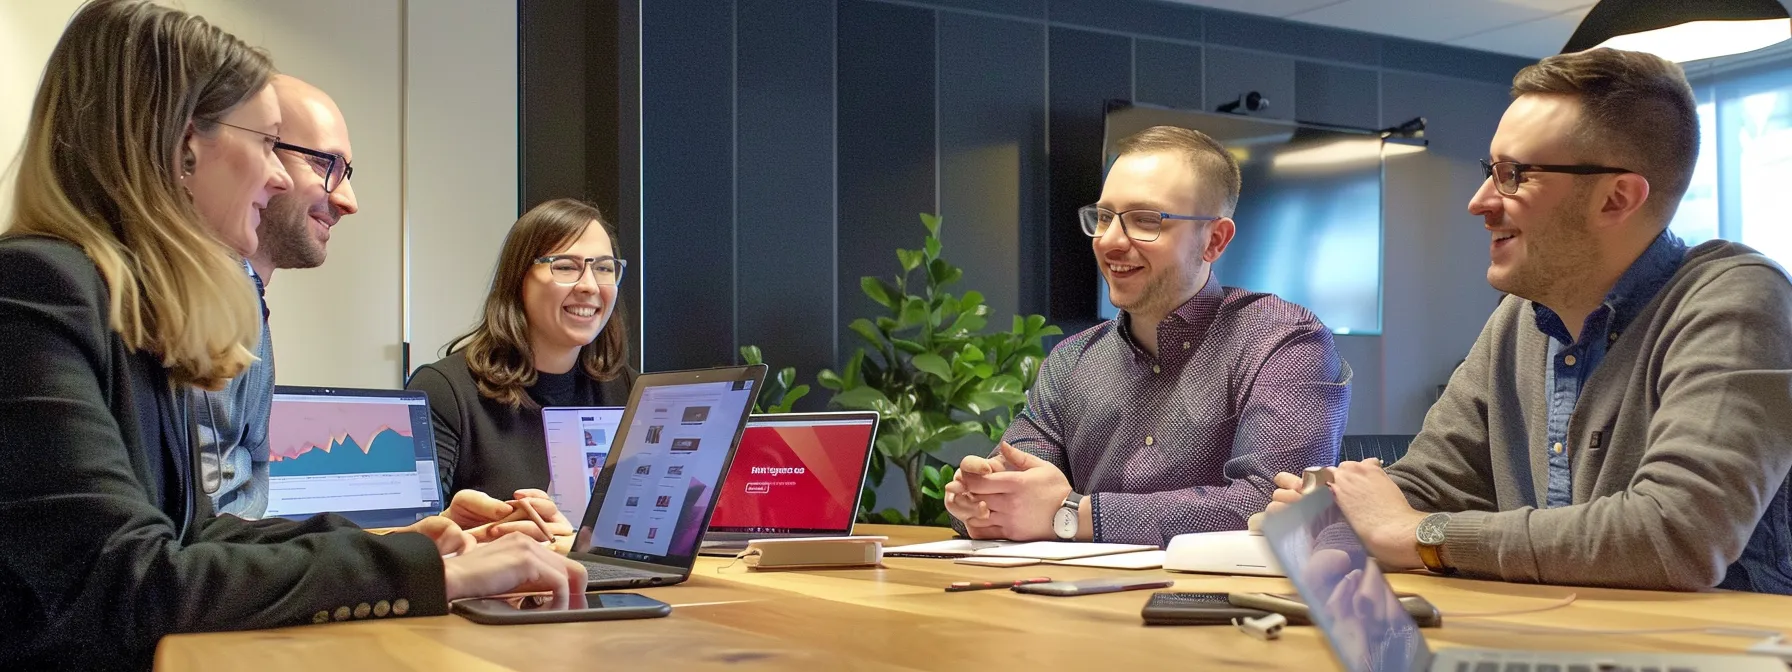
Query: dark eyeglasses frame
x,y
1082,219
587,267
348,170
1519,169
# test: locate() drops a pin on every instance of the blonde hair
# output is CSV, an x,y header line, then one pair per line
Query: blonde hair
x,y
99,170
1217,167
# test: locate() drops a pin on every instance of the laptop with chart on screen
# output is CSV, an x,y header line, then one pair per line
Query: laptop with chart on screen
x,y
367,455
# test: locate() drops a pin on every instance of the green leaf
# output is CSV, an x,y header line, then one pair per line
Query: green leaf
x,y
864,399
971,300
930,474
829,379
868,499
786,376
910,260
933,247
932,222
863,328
967,323
891,517
750,354
984,370
914,314
878,291
972,353
908,346
934,364
851,375
999,392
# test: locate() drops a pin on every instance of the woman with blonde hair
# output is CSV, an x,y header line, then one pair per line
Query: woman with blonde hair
x,y
149,157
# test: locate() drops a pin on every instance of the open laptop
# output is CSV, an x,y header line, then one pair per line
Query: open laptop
x,y
795,475
657,489
1368,631
578,440
367,455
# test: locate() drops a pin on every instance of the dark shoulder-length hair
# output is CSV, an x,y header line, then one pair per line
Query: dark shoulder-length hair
x,y
498,349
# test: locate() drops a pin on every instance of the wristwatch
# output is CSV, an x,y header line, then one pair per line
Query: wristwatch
x,y
1064,522
1431,543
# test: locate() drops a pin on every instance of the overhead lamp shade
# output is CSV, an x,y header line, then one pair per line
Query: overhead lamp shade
x,y
1683,30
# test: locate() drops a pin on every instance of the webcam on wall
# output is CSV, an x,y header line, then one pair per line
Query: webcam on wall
x,y
1246,104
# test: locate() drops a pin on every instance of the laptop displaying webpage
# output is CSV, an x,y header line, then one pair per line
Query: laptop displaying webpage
x,y
795,477
370,457
578,442
665,477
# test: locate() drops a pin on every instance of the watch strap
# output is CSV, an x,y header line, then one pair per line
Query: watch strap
x,y
1433,557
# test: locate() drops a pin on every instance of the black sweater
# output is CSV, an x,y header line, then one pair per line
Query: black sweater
x,y
106,545
484,445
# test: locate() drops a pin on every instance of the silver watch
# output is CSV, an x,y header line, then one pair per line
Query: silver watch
x,y
1065,520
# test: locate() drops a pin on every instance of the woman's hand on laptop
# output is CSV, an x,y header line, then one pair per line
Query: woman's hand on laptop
x,y
488,518
514,564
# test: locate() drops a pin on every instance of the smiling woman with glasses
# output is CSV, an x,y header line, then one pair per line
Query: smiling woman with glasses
x,y
551,335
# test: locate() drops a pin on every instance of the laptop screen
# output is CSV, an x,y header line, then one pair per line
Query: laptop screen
x,y
368,455
1349,599
798,474
660,483
578,442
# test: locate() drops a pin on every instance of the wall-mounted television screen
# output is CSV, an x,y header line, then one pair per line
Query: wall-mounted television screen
x,y
1309,211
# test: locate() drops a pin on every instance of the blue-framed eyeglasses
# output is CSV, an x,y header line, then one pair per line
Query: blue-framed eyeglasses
x,y
1140,225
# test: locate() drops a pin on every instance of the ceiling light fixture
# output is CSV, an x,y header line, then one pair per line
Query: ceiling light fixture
x,y
1683,30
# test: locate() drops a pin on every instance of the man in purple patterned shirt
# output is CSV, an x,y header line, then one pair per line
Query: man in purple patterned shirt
x,y
1176,416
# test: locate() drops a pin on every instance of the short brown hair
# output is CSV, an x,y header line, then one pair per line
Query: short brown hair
x,y
499,354
1637,111
1215,166
99,170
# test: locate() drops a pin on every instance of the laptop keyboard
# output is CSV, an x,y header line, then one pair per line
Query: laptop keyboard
x,y
598,572
1490,666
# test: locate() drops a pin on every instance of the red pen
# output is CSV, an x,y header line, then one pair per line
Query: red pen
x,y
961,586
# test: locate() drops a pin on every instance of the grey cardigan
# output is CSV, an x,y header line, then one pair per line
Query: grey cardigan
x,y
1681,443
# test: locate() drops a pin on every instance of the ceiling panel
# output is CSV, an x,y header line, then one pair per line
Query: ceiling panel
x,y
1535,39
1264,7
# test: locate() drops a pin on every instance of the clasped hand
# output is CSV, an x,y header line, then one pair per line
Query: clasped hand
x,y
1010,496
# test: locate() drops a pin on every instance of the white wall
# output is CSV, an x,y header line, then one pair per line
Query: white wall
x,y
448,159
461,161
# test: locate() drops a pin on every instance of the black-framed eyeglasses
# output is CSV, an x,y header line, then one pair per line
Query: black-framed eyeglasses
x,y
568,269
1507,175
332,167
1140,225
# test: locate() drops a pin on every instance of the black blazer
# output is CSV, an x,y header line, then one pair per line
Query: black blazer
x,y
484,445
105,545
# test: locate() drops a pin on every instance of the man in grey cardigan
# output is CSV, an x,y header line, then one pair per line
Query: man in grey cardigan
x,y
1625,417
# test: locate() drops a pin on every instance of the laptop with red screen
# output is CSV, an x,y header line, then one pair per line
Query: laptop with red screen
x,y
795,475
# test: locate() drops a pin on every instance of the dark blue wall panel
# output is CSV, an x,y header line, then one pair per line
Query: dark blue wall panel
x,y
1167,74
1260,33
1138,17
785,178
1086,70
687,183
1337,94
992,155
886,146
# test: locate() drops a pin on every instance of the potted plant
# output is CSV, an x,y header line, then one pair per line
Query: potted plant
x,y
934,375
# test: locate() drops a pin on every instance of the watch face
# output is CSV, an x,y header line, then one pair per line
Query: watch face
x,y
1064,523
1431,529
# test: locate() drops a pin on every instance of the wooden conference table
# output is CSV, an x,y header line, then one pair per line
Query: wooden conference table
x,y
900,618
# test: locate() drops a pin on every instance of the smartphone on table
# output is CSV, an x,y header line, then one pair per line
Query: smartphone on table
x,y
599,606
1092,586
1172,608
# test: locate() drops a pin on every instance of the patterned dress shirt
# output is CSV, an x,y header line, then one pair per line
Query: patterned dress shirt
x,y
1245,385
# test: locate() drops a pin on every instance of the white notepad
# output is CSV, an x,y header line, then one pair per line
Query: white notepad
x,y
1061,550
950,548
1152,559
